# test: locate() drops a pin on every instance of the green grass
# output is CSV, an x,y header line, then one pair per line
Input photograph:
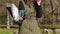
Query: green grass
x,y
50,26
7,31
11,31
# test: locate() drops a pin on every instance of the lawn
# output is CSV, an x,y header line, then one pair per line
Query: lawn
x,y
50,26
11,31
7,31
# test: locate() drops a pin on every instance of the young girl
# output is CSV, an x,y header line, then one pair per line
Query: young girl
x,y
38,8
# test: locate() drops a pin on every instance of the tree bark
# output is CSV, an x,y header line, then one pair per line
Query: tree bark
x,y
8,25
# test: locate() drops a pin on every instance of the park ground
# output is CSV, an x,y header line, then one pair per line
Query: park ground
x,y
12,30
9,31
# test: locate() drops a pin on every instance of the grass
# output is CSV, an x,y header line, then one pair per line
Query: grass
x,y
11,31
7,31
50,26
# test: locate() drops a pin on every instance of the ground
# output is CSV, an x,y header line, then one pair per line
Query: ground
x,y
7,31
12,30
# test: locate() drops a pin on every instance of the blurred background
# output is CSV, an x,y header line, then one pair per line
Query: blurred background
x,y
49,20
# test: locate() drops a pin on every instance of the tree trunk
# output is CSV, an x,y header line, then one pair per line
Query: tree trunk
x,y
11,21
8,26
